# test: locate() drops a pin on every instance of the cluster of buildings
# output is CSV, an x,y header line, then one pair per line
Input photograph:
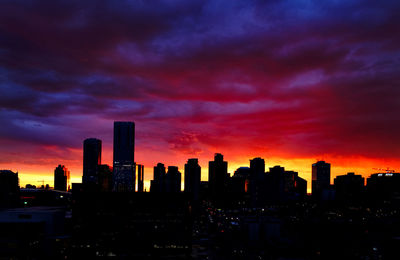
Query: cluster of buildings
x,y
240,216
252,184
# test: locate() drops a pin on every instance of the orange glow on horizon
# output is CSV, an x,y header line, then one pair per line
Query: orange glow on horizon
x,y
34,174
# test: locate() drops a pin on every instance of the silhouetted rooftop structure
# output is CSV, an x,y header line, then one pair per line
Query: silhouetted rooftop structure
x,y
61,178
9,188
91,160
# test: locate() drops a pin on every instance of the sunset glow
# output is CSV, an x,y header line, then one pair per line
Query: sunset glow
x,y
289,81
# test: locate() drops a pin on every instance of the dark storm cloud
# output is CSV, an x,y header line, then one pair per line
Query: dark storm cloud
x,y
286,73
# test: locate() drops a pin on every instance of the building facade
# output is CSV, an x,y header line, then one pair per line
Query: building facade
x,y
61,178
124,157
193,178
91,160
321,178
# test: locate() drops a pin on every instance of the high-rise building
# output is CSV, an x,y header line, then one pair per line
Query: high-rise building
x,y
105,177
140,173
173,179
91,160
240,180
193,177
9,188
256,180
321,177
124,157
217,176
281,185
384,186
257,168
349,187
61,178
158,182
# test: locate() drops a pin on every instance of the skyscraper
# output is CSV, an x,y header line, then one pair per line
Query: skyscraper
x,y
284,185
349,187
140,171
217,176
105,177
256,186
321,177
257,168
193,178
173,180
91,160
158,182
124,156
61,178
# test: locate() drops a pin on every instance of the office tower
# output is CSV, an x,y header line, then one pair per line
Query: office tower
x,y
193,178
300,187
256,180
173,180
9,188
91,160
61,178
158,182
257,168
321,178
240,180
217,176
140,171
383,186
349,187
105,177
124,159
282,185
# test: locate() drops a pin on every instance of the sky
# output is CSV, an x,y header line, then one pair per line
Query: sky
x,y
292,82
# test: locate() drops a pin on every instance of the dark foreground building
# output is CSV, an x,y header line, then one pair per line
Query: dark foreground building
x,y
32,233
126,225
9,188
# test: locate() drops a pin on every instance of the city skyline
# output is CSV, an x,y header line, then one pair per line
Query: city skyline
x,y
290,82
124,150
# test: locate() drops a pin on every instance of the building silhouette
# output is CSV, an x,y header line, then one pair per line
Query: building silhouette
x,y
140,174
105,177
321,178
158,182
349,187
284,185
384,186
217,177
173,180
9,188
240,180
124,157
193,178
257,168
61,178
91,160
257,181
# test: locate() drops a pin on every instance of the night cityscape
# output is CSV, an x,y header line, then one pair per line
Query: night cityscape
x,y
253,214
201,129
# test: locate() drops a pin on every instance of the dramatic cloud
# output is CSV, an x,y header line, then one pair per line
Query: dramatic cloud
x,y
282,79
